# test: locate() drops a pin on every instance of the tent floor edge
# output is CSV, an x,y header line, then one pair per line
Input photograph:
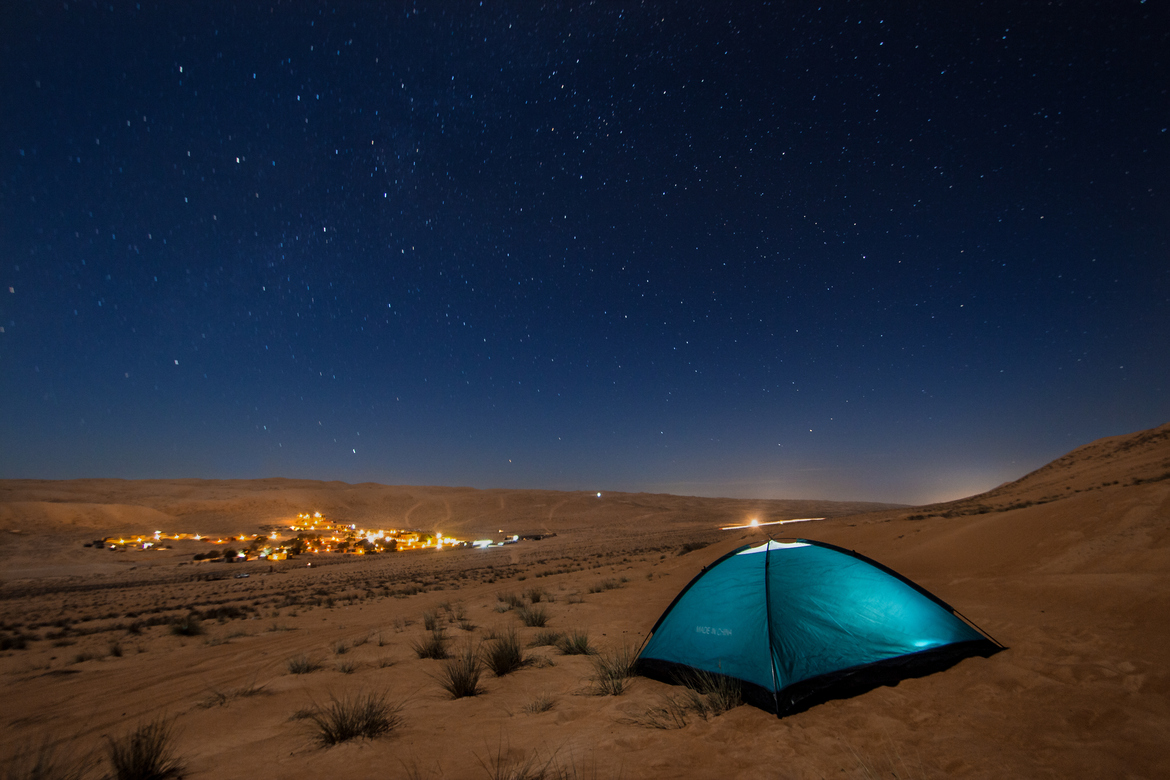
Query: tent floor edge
x,y
857,680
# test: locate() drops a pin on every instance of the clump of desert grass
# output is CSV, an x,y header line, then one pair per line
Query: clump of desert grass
x,y
434,645
704,694
460,674
536,593
509,600
504,654
505,764
147,753
541,702
534,616
612,670
302,664
47,761
189,625
362,716
575,643
546,638
218,697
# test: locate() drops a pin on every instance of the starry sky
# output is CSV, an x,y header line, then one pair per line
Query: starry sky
x,y
752,249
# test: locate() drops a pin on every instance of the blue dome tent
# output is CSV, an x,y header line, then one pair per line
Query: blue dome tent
x,y
799,622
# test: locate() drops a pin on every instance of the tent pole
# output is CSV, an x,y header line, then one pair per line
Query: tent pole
x,y
768,625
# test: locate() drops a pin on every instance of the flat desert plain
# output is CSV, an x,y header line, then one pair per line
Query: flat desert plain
x,y
1069,567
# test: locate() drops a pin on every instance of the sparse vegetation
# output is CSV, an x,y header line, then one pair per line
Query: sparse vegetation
x,y
434,645
303,664
189,625
364,716
575,643
510,600
546,638
460,675
612,670
542,702
534,616
147,753
504,655
46,762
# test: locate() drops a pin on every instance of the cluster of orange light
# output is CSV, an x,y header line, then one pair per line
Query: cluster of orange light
x,y
328,533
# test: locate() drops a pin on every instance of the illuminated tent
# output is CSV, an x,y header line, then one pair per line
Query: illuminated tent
x,y
801,622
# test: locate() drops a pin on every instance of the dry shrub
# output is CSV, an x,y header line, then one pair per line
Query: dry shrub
x,y
302,664
433,646
542,702
547,638
534,616
575,643
460,675
47,762
366,715
147,753
504,655
612,670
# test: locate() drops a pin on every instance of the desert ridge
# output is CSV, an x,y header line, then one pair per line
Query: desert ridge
x,y
1068,567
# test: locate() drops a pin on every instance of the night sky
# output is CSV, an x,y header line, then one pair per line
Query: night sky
x,y
740,249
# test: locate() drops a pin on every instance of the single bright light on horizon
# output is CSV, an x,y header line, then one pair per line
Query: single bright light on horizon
x,y
754,522
599,495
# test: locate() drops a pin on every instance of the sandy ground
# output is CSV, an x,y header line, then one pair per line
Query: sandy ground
x,y
1069,567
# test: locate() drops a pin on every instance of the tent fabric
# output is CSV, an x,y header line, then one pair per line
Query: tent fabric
x,y
791,619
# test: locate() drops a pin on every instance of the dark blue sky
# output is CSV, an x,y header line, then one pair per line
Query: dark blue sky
x,y
741,249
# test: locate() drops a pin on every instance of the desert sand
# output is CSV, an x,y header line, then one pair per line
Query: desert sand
x,y
1069,567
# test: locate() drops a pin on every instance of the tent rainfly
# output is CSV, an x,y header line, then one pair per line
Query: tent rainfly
x,y
800,622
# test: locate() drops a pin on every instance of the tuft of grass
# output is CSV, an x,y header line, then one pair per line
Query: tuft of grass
x,y
339,647
433,646
534,616
460,675
542,702
612,670
504,655
303,664
546,638
503,766
535,594
510,600
187,626
364,716
44,762
604,585
671,713
116,649
147,753
430,621
576,643
714,694
346,667
466,625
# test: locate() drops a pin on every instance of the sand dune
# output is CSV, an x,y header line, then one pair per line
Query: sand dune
x,y
1068,566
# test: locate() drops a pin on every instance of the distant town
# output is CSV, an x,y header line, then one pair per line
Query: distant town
x,y
309,534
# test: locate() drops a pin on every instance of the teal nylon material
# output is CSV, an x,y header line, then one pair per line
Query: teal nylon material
x,y
829,611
